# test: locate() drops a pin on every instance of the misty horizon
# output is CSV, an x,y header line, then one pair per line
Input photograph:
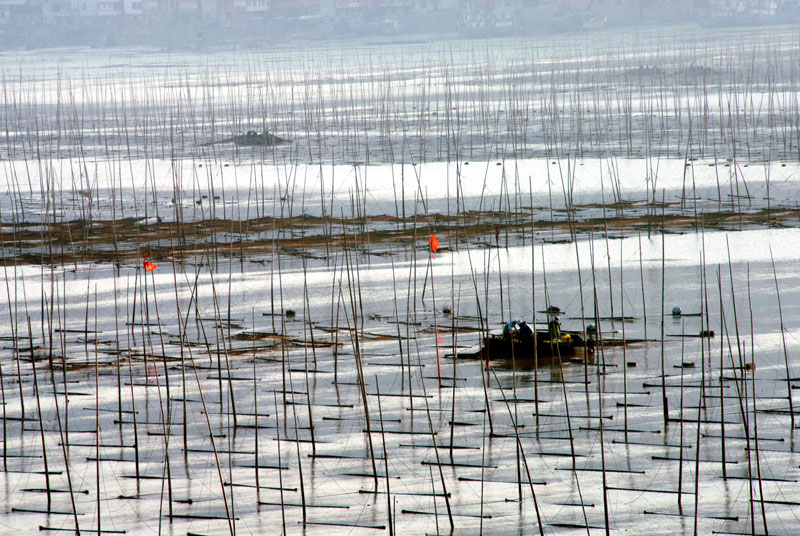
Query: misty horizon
x,y
198,24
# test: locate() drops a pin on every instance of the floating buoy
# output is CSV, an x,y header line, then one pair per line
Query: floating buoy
x,y
290,313
676,311
446,310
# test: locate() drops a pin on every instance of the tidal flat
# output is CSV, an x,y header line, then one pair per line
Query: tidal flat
x,y
209,338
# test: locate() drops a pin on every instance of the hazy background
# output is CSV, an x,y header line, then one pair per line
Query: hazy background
x,y
196,24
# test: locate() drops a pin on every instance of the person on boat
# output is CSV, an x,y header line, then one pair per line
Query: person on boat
x,y
525,331
591,334
511,329
507,328
555,329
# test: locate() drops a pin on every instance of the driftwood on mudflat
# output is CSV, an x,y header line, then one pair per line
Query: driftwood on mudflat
x,y
252,139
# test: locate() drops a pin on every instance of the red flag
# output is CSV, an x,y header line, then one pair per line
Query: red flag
x,y
149,266
434,243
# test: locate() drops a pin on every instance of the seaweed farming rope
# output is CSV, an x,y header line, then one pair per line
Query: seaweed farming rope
x,y
359,364
385,459
783,341
533,306
521,452
664,401
755,414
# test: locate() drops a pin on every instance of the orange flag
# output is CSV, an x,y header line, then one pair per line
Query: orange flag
x,y
434,243
149,266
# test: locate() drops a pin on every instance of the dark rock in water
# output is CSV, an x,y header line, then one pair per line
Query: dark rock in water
x,y
254,139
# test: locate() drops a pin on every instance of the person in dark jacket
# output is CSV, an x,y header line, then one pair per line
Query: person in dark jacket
x,y
525,331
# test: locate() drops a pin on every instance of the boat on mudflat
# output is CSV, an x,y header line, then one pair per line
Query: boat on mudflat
x,y
534,351
499,346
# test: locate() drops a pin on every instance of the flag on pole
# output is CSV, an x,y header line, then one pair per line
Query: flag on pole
x,y
434,243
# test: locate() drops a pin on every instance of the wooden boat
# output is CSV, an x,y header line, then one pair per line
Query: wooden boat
x,y
503,347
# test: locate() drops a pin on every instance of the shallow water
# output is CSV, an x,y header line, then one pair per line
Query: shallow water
x,y
647,464
194,350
